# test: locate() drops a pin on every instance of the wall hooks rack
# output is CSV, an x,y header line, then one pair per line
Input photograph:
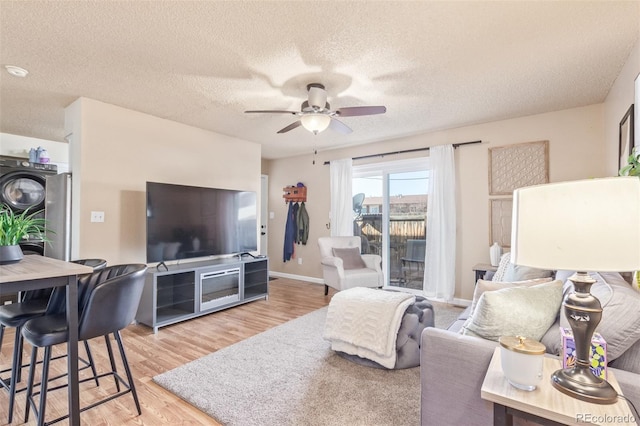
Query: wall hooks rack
x,y
296,194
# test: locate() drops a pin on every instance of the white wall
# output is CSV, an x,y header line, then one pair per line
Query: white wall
x,y
583,144
620,97
115,151
576,151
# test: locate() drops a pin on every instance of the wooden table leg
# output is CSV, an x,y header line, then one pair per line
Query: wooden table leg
x,y
72,350
500,416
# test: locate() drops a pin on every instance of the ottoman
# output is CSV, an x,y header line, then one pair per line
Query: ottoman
x,y
417,316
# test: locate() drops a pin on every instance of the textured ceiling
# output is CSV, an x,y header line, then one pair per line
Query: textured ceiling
x,y
434,65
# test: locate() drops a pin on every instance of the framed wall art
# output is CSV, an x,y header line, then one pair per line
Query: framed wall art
x,y
636,111
625,138
518,165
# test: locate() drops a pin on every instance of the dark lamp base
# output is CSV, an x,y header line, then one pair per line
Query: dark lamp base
x,y
580,383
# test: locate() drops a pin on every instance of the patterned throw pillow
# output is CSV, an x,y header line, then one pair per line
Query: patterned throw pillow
x,y
508,272
502,267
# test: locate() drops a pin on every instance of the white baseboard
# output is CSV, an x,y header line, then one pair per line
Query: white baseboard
x,y
456,301
296,277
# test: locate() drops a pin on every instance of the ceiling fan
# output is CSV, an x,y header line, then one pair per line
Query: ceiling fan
x,y
316,114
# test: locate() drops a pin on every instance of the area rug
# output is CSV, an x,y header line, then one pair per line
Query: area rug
x,y
288,375
445,314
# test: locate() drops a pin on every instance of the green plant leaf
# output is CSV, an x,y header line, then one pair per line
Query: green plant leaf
x,y
633,164
15,227
625,170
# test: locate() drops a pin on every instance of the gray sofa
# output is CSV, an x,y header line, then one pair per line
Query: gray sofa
x,y
453,365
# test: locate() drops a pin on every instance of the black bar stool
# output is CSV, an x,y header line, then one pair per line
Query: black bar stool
x,y
108,300
32,304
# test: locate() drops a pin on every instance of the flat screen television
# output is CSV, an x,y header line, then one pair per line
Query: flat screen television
x,y
189,221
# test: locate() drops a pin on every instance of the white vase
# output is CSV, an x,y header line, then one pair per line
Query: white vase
x,y
495,251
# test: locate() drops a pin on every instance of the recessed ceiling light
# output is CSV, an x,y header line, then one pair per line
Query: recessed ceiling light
x,y
16,71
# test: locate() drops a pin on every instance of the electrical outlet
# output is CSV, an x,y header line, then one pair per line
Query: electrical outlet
x,y
299,261
97,216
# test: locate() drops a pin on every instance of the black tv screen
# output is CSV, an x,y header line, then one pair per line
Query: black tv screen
x,y
189,221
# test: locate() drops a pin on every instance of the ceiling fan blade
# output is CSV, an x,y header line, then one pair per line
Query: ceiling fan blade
x,y
317,97
363,110
273,111
339,126
291,126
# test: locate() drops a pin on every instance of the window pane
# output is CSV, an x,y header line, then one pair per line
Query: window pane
x,y
407,227
390,205
368,220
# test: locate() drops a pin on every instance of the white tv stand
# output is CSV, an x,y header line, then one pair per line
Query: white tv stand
x,y
193,289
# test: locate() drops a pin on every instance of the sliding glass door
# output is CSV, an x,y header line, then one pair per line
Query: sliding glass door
x,y
390,208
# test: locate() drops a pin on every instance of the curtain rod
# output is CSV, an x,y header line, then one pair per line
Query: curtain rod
x,y
455,145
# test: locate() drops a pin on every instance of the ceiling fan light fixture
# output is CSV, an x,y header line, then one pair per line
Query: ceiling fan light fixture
x,y
315,123
16,71
316,114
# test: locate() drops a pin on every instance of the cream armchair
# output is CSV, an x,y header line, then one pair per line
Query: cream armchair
x,y
344,267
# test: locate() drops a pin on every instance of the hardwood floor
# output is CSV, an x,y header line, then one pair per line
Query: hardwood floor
x,y
173,346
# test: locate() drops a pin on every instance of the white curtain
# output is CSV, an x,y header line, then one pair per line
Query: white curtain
x,y
440,253
341,198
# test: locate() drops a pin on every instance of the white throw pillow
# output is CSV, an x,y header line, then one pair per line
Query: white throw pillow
x,y
516,311
484,285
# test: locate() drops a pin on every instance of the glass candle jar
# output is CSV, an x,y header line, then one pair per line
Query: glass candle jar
x,y
521,360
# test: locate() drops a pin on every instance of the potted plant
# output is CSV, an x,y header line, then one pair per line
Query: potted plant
x,y
14,227
633,165
632,169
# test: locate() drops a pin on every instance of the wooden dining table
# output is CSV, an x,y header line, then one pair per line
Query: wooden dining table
x,y
37,272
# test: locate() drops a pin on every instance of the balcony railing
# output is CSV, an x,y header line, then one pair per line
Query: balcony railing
x,y
402,227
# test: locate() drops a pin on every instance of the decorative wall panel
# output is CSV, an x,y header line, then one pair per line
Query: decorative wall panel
x,y
500,214
515,166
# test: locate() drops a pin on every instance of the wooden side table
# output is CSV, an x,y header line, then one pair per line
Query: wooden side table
x,y
481,268
547,405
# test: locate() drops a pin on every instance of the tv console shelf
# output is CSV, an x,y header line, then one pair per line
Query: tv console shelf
x,y
193,289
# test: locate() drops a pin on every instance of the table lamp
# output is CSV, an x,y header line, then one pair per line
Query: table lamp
x,y
585,225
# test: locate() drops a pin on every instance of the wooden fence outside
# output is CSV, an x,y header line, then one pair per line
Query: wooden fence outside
x,y
401,229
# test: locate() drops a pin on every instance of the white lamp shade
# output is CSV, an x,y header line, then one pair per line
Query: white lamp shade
x,y
585,225
315,123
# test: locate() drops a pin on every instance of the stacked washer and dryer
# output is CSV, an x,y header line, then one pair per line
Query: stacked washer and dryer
x,y
22,187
